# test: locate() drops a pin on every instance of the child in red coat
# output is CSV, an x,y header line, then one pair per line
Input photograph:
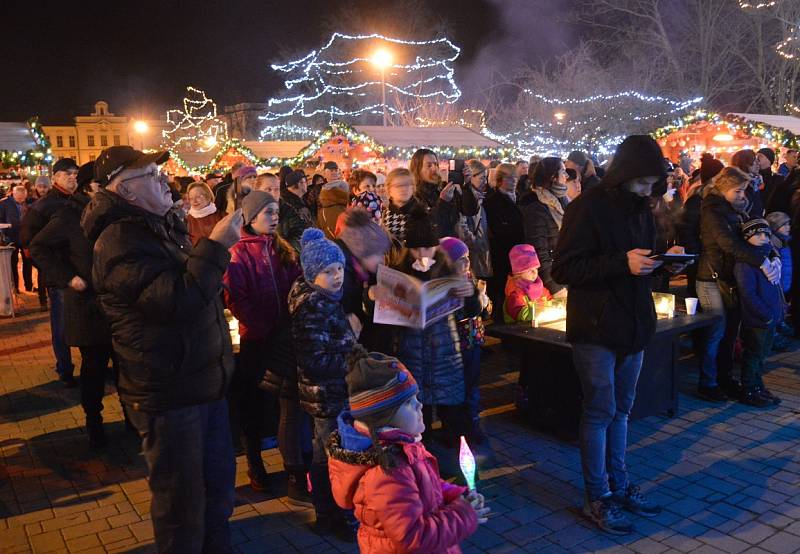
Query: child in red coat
x,y
380,469
524,285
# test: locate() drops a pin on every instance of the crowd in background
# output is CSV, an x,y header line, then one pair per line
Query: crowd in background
x,y
150,261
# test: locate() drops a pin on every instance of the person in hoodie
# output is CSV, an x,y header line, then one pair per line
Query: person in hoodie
x,y
324,336
62,250
333,200
173,347
380,468
607,236
257,282
400,187
762,312
447,201
524,285
65,183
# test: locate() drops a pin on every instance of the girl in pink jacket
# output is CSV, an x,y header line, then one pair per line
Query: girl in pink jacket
x,y
524,285
380,469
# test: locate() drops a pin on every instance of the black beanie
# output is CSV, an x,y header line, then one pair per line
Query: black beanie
x,y
637,156
709,167
769,153
420,229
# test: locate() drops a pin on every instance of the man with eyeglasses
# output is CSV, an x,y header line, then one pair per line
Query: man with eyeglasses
x,y
65,183
162,299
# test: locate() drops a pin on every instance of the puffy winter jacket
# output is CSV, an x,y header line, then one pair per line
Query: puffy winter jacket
x,y
324,338
762,302
63,251
162,300
409,509
723,245
433,354
606,304
257,285
39,213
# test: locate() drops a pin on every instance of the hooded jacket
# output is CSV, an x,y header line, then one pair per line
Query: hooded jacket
x,y
407,509
162,300
332,203
257,286
763,305
324,339
606,304
62,251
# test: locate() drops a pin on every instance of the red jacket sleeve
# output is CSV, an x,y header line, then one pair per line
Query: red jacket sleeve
x,y
395,497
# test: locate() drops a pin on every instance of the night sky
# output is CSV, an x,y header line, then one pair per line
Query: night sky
x,y
61,57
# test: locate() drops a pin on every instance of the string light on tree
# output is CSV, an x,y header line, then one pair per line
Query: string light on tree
x,y
197,126
340,79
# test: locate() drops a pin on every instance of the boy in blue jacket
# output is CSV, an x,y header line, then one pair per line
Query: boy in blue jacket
x,y
762,311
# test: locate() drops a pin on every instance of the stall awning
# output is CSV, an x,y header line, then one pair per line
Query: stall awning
x,y
409,137
16,137
268,149
788,122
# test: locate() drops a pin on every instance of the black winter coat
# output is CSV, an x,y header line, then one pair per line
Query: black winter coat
x,y
779,198
62,251
446,214
11,212
39,213
541,231
505,230
687,225
324,339
162,300
294,218
723,245
606,304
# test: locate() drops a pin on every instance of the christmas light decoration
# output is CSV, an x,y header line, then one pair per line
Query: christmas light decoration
x,y
197,126
744,4
735,125
40,155
286,131
329,79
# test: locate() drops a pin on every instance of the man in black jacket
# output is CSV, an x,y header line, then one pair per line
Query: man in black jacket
x,y
65,183
63,251
602,255
295,217
162,300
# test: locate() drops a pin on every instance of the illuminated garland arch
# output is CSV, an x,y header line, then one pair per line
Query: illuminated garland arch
x,y
735,123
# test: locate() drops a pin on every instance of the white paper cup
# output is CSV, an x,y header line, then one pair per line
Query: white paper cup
x,y
691,306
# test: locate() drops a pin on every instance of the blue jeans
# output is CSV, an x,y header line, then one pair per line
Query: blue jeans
x,y
189,455
472,381
608,381
64,366
711,301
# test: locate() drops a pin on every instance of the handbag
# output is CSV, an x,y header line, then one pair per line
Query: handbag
x,y
728,291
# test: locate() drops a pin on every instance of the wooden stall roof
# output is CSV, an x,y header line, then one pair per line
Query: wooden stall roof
x,y
405,137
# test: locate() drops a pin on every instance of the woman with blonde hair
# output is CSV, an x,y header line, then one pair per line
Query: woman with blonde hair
x,y
203,213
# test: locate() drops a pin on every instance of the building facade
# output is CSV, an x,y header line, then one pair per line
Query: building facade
x,y
93,133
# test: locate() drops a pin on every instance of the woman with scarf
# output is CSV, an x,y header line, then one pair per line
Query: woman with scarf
x,y
542,213
203,213
747,161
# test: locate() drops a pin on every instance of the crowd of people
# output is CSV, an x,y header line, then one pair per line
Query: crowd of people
x,y
140,268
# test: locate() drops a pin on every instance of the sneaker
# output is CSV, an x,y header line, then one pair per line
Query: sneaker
x,y
607,515
69,381
632,500
752,397
764,393
712,394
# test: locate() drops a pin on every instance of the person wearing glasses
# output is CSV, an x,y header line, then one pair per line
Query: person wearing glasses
x,y
162,300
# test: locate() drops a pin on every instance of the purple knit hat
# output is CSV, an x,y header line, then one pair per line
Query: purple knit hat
x,y
244,171
523,257
454,248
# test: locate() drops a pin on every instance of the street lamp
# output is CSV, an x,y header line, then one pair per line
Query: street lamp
x,y
141,128
382,59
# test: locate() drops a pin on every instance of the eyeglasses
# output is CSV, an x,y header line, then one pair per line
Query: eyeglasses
x,y
154,174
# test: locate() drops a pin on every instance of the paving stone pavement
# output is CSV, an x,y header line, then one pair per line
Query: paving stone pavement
x,y
729,477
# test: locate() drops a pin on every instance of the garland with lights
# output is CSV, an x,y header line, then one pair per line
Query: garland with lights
x,y
231,144
40,155
429,76
197,125
734,123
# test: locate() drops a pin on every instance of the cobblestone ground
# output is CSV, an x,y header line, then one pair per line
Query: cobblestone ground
x,y
729,477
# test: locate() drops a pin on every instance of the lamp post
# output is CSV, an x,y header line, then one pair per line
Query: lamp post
x,y
382,59
141,128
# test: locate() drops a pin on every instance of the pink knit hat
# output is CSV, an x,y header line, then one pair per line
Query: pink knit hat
x,y
523,257
244,171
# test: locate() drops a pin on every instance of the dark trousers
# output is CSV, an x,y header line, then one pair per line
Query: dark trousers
x,y
290,435
94,369
757,346
472,381
27,269
64,365
189,455
321,493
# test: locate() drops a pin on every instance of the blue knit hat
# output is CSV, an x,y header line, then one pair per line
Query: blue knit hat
x,y
317,253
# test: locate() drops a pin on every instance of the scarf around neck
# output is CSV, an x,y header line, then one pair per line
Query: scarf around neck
x,y
553,204
532,289
203,212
